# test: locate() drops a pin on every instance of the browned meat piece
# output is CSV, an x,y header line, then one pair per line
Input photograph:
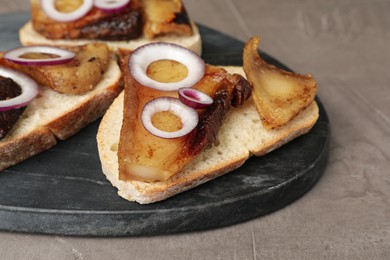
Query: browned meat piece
x,y
145,157
242,90
9,89
279,95
231,90
123,25
165,17
78,76
148,18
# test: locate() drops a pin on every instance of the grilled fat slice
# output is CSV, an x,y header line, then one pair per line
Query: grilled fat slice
x,y
279,95
165,17
97,24
79,76
145,157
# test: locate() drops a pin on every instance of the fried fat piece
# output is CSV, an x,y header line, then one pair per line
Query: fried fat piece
x,y
279,95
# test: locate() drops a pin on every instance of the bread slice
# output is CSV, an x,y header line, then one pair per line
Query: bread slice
x,y
241,136
52,115
28,36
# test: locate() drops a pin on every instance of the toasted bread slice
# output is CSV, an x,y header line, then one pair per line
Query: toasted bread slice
x,y
241,136
52,116
28,36
151,20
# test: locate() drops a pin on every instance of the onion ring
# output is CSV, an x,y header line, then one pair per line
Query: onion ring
x,y
188,116
29,89
48,6
194,98
142,57
15,55
111,5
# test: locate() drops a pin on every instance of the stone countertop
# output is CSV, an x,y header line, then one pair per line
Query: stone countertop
x,y
344,45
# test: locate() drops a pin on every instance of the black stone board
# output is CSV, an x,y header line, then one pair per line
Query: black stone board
x,y
63,191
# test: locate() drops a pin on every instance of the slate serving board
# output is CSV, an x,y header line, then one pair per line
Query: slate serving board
x,y
63,191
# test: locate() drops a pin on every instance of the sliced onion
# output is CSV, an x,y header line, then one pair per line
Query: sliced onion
x,y
29,89
15,55
48,6
194,98
149,53
188,116
111,5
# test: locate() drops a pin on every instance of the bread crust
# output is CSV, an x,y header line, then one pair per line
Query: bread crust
x,y
14,150
46,119
87,112
28,36
235,144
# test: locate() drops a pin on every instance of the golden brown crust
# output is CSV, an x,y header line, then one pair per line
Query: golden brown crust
x,y
286,137
14,150
178,185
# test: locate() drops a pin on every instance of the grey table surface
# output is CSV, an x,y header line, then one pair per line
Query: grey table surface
x,y
345,45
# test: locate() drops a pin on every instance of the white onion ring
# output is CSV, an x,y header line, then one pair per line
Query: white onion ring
x,y
29,89
64,55
188,116
194,98
145,55
48,6
111,5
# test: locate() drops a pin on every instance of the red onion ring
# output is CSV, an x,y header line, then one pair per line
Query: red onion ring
x,y
194,98
111,5
15,55
188,116
143,56
29,89
48,6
